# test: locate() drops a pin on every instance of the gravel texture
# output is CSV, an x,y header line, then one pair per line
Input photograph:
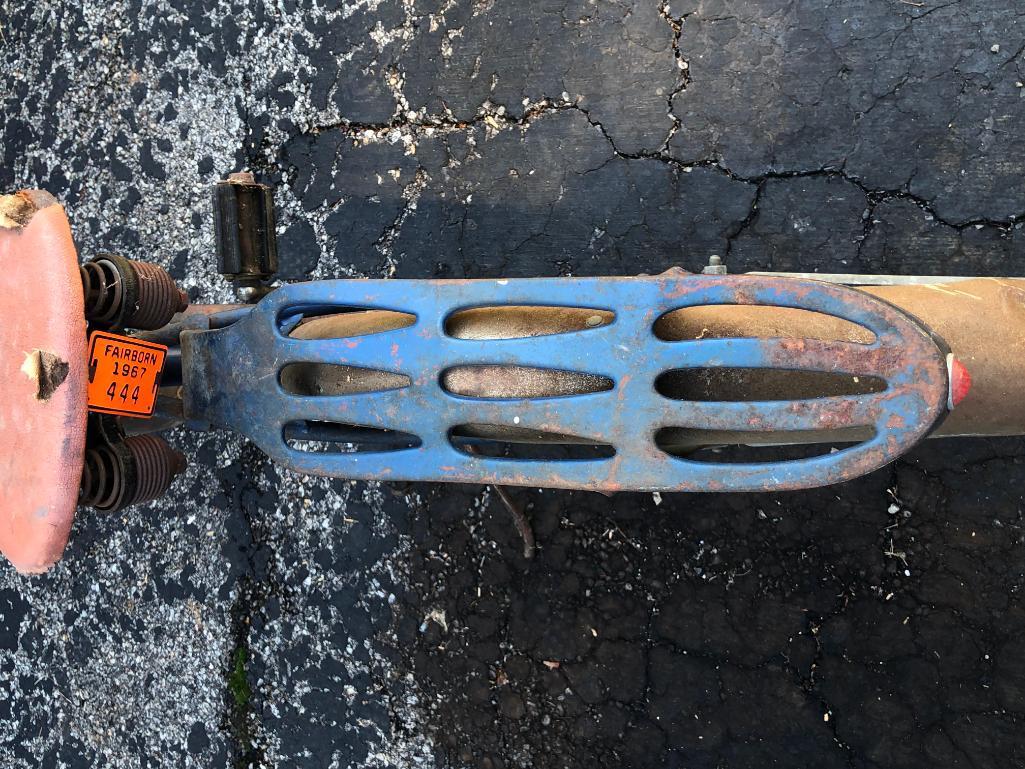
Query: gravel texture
x,y
257,618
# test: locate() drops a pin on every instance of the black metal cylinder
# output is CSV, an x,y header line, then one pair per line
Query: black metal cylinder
x,y
247,250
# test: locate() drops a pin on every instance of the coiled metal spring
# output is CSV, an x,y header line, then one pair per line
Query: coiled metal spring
x,y
121,293
140,471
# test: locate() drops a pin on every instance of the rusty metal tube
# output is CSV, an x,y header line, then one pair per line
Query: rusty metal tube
x,y
983,322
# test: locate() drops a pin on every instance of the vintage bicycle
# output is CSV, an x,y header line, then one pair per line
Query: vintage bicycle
x,y
672,382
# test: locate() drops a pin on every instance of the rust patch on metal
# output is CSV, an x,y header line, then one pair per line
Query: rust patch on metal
x,y
836,356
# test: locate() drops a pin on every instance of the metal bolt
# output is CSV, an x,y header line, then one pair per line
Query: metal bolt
x,y
242,177
715,266
251,294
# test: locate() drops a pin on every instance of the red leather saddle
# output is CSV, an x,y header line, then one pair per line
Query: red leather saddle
x,y
42,380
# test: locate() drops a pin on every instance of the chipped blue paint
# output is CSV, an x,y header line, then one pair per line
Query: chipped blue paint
x,y
232,380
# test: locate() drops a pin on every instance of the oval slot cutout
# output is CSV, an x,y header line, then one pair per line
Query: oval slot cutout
x,y
747,447
336,379
338,438
523,321
340,322
734,321
760,384
515,382
516,443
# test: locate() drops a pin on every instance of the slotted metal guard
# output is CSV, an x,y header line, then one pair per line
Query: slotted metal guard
x,y
232,380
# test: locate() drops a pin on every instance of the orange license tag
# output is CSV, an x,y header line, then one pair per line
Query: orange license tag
x,y
124,374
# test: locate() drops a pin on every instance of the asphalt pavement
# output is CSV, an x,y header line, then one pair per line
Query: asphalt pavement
x,y
256,618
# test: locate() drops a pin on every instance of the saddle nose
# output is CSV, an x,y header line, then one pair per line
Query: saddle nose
x,y
43,375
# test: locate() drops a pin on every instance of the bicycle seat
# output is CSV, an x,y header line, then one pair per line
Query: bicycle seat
x,y
43,372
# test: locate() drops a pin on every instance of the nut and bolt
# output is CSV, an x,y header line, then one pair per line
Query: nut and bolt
x,y
714,266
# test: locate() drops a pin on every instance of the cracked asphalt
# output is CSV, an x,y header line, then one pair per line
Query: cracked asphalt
x,y
258,618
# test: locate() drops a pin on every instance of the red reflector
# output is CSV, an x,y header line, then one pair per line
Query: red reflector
x,y
960,381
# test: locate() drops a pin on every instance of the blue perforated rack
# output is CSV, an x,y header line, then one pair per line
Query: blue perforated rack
x,y
232,380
